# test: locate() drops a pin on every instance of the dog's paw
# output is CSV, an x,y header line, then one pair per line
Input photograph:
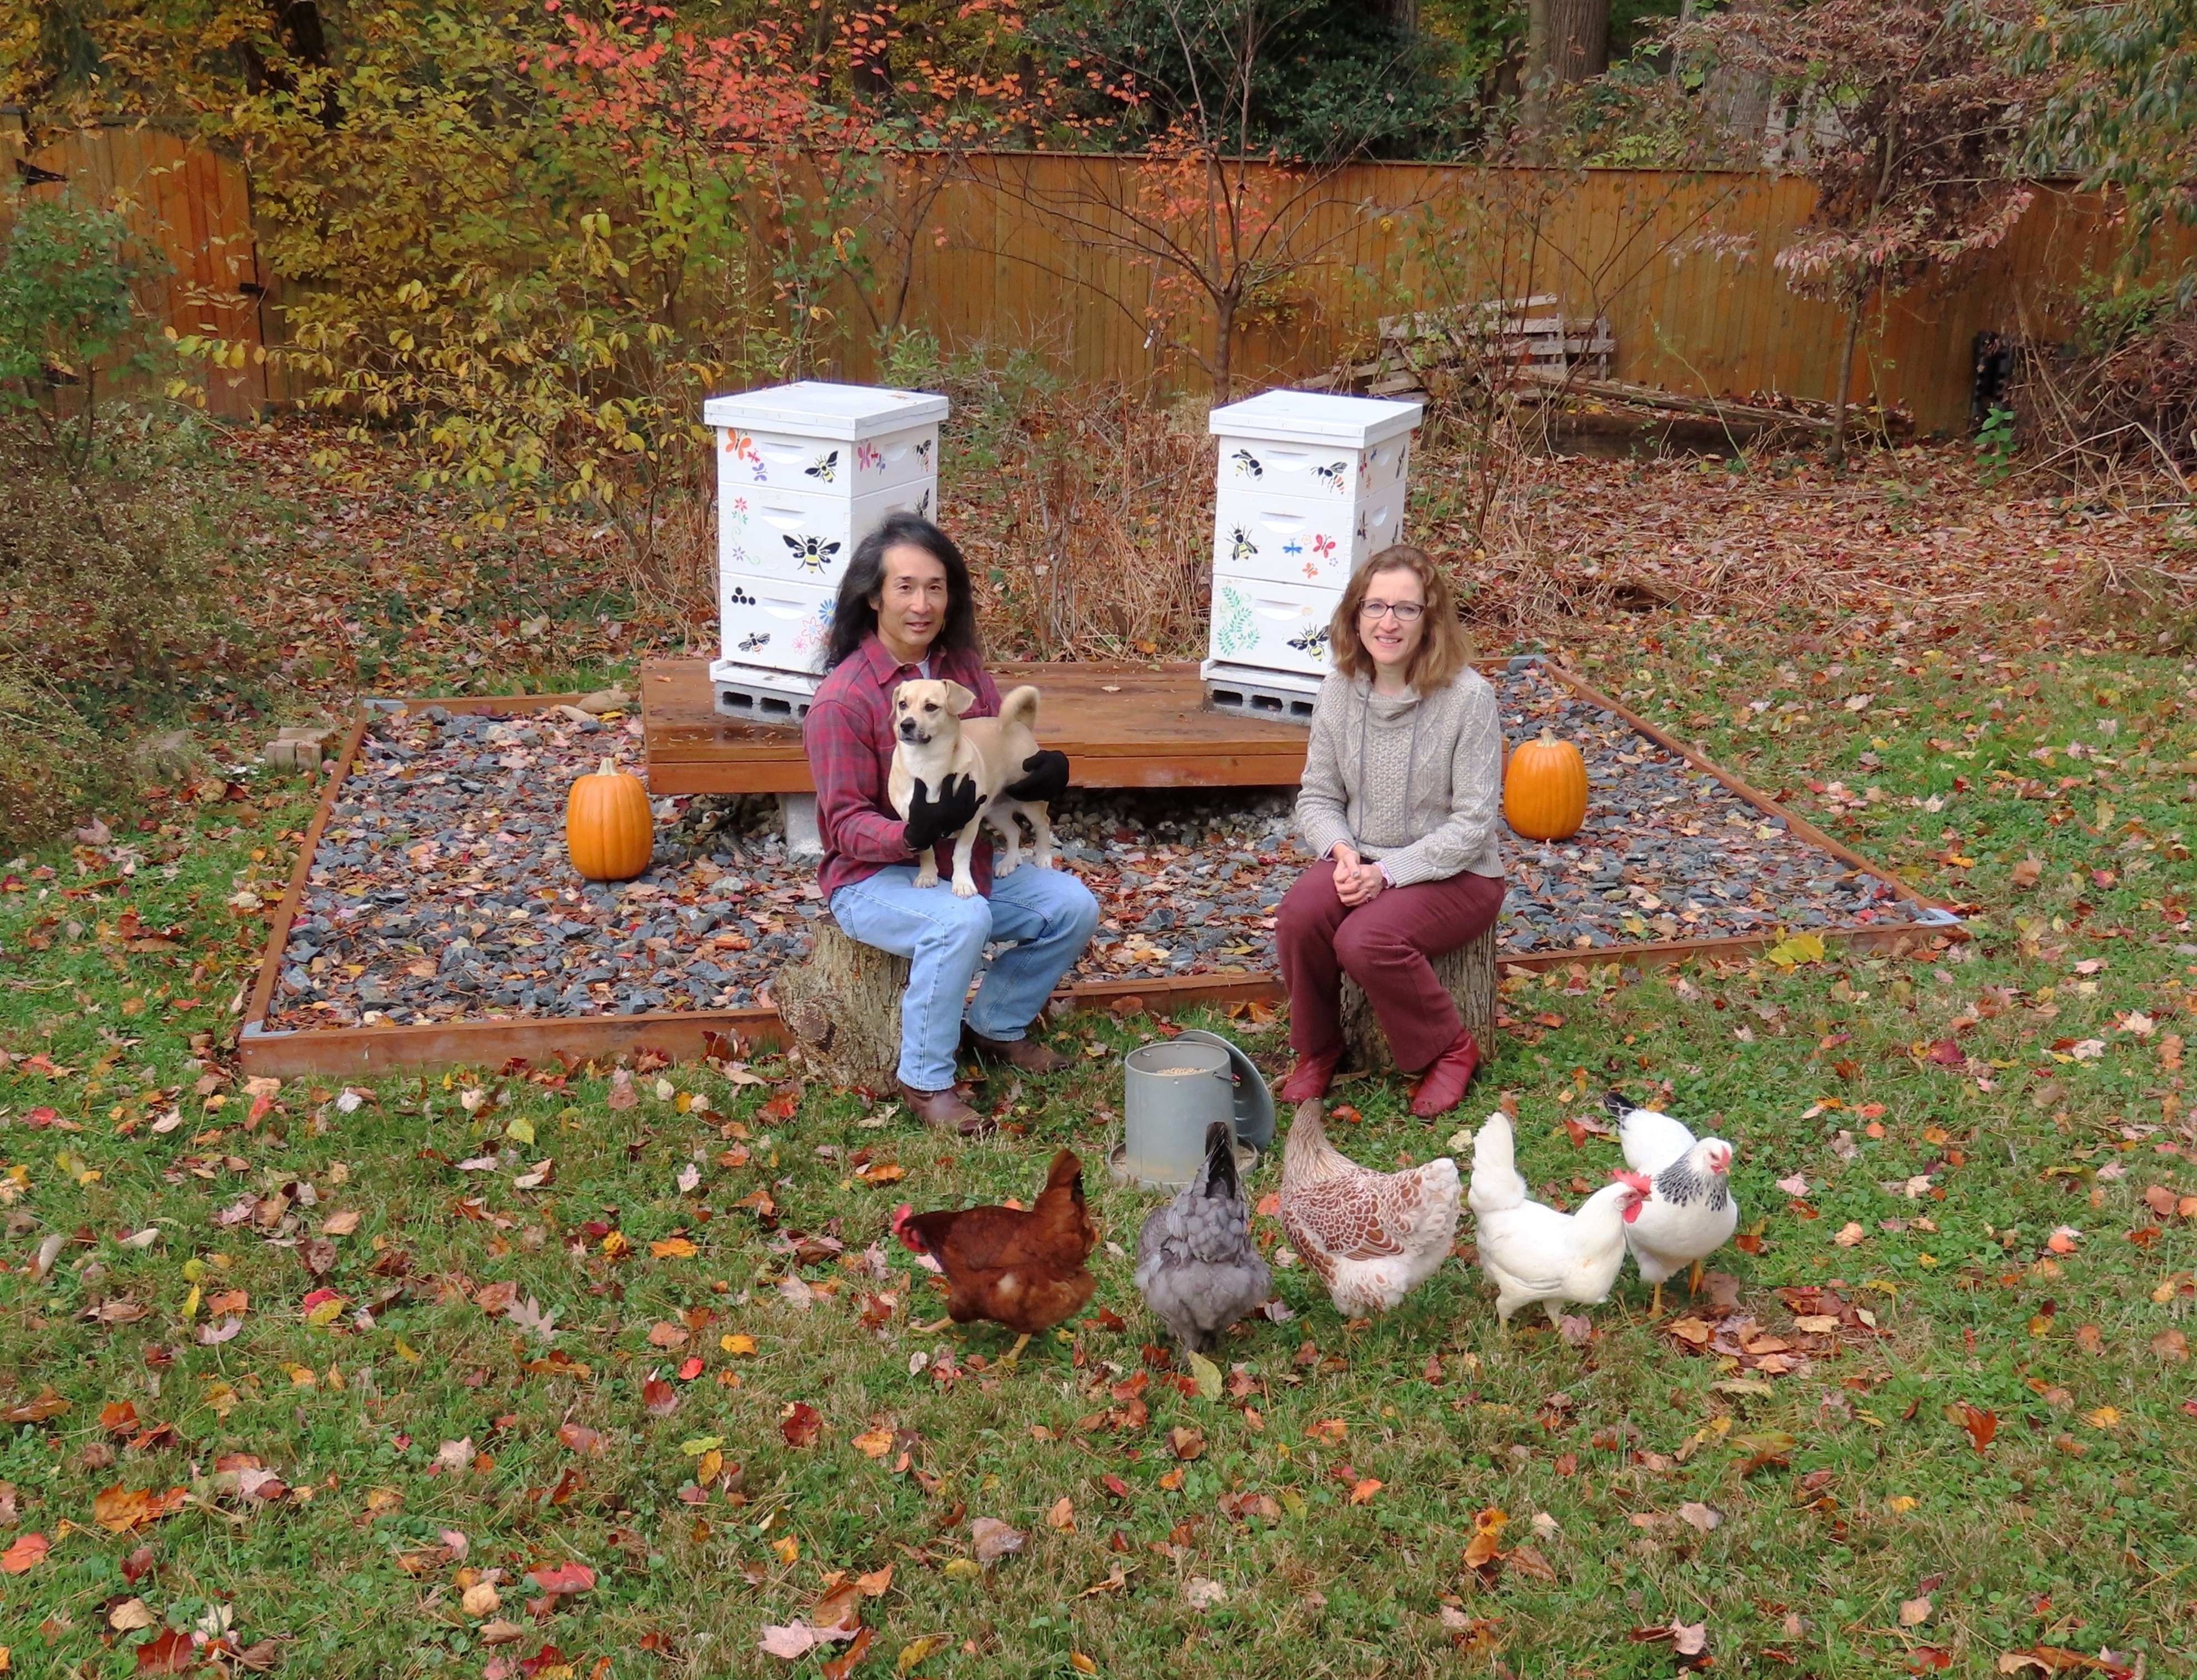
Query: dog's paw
x,y
929,880
964,889
1003,867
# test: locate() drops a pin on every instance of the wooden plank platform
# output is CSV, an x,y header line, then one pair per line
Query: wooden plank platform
x,y
1121,726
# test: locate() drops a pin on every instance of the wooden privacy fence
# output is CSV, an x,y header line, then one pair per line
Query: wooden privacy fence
x,y
191,210
1053,252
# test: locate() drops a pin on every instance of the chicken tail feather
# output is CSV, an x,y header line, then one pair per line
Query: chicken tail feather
x,y
1496,1186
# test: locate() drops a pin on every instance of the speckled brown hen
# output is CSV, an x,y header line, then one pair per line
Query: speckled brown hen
x,y
1373,1237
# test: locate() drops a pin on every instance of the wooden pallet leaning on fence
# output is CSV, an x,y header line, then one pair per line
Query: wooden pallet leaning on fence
x,y
1432,349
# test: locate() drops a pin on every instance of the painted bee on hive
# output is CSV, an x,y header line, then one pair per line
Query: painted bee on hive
x,y
923,505
1333,474
1240,546
826,469
814,553
923,453
754,640
1312,642
1246,464
740,597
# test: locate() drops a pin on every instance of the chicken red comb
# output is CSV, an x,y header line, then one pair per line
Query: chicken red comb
x,y
1639,1181
900,1216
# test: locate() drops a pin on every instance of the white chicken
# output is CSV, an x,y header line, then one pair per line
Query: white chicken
x,y
1531,1252
1694,1213
1373,1237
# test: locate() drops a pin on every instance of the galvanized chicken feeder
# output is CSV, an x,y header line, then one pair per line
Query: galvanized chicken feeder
x,y
1175,1089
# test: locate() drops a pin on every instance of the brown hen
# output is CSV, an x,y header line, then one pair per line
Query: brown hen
x,y
1023,1268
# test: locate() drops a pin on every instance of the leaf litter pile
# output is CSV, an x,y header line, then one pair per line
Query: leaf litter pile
x,y
441,889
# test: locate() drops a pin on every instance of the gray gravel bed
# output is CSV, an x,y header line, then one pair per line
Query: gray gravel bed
x,y
441,889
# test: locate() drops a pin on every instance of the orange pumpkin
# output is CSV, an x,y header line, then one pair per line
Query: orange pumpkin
x,y
608,827
1544,789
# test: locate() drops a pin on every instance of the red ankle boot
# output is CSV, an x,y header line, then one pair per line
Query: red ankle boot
x,y
1442,1086
1309,1077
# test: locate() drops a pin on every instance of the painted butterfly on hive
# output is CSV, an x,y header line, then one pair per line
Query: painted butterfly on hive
x,y
1240,546
1312,642
813,553
754,640
826,469
1246,464
1332,475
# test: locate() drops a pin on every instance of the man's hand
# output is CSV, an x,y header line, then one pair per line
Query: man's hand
x,y
1044,777
930,820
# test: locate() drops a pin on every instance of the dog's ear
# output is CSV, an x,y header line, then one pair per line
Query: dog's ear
x,y
958,698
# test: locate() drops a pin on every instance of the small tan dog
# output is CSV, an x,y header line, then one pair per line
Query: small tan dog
x,y
935,742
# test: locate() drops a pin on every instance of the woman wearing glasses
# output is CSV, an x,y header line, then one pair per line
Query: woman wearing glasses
x,y
1402,784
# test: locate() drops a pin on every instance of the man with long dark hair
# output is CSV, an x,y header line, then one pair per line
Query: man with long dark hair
x,y
906,610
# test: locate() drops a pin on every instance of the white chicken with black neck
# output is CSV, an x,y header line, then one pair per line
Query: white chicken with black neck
x,y
1693,1213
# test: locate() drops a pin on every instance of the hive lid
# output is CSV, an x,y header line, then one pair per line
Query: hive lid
x,y
1315,417
815,408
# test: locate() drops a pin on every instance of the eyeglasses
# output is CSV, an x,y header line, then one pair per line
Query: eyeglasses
x,y
1404,612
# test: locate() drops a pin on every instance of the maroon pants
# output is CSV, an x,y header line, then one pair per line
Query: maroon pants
x,y
1385,946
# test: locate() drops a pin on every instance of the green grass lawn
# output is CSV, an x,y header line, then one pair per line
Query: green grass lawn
x,y
732,1417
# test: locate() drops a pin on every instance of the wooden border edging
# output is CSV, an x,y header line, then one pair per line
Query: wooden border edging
x,y
685,1034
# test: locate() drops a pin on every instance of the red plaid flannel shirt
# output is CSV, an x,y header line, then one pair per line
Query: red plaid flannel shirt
x,y
849,737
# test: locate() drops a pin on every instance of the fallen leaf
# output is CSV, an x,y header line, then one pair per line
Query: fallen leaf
x,y
1206,1374
1486,1546
667,1335
1700,1516
1849,1234
130,1616
622,1095
797,1639
167,1651
673,1248
120,1509
800,1424
916,1652
1063,1515
580,1438
874,1442
1202,1594
2171,1345
481,1599
340,1225
1688,1640
1914,1612
1362,1492
1980,1425
990,1540
562,1578
28,1551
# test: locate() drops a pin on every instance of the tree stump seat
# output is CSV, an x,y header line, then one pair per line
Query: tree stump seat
x,y
1468,976
841,1006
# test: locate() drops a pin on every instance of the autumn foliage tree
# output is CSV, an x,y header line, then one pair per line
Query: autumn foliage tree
x,y
1909,121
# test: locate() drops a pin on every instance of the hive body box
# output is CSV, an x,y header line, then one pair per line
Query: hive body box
x,y
804,473
1310,485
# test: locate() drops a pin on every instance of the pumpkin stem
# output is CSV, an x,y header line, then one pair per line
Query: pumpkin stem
x,y
1549,737
609,768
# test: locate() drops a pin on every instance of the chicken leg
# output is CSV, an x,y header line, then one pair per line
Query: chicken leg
x,y
1014,1354
1656,1310
931,1330
1693,1279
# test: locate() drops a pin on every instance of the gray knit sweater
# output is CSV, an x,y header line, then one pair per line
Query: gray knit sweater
x,y
1415,782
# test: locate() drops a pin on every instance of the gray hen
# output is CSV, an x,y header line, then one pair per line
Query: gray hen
x,y
1197,1266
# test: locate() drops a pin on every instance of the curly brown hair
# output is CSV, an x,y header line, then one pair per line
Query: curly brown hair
x,y
1444,649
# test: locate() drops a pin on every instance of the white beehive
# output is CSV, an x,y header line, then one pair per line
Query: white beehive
x,y
804,473
1310,485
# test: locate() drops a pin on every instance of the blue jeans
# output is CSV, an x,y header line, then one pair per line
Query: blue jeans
x,y
1048,913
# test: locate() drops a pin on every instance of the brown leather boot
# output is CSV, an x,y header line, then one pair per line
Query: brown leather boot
x,y
1442,1086
1026,1055
943,1109
1308,1077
